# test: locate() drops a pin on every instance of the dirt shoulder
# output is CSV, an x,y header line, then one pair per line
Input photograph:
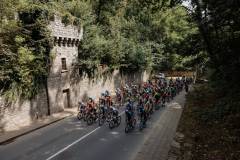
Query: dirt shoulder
x,y
207,129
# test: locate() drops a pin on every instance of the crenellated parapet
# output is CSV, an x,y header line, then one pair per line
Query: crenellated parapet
x,y
65,35
64,41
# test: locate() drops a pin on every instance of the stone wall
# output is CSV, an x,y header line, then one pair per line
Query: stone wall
x,y
22,113
93,88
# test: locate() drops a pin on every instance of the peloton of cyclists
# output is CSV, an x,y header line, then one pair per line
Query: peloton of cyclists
x,y
147,95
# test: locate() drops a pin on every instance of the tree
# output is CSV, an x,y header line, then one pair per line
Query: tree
x,y
219,28
25,52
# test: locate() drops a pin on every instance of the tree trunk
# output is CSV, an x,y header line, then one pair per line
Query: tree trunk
x,y
202,27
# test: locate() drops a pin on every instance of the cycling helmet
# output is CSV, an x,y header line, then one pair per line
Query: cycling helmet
x,y
106,93
115,112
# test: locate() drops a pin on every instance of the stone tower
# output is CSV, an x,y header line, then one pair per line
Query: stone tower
x,y
64,54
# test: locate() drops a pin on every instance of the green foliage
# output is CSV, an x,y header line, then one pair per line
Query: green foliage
x,y
26,46
67,19
219,25
128,35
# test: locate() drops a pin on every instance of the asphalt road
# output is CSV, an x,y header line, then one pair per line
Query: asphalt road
x,y
71,139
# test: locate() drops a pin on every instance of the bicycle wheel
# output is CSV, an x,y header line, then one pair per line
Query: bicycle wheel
x,y
127,129
89,120
79,116
101,120
118,121
134,123
140,126
111,124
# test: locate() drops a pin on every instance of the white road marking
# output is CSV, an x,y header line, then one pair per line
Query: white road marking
x,y
75,142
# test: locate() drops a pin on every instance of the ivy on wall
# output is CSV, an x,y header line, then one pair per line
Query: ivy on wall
x,y
27,47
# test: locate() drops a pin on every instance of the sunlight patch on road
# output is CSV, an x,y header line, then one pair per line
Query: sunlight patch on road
x,y
114,133
103,139
176,106
78,125
47,152
79,122
79,128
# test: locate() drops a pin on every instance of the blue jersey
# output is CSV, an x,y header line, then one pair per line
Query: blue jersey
x,y
129,107
141,108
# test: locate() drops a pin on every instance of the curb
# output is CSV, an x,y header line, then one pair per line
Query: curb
x,y
9,140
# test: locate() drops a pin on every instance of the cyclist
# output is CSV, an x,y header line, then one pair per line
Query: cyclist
x,y
119,96
114,112
186,87
102,99
170,81
108,98
91,108
157,97
147,107
129,112
142,112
